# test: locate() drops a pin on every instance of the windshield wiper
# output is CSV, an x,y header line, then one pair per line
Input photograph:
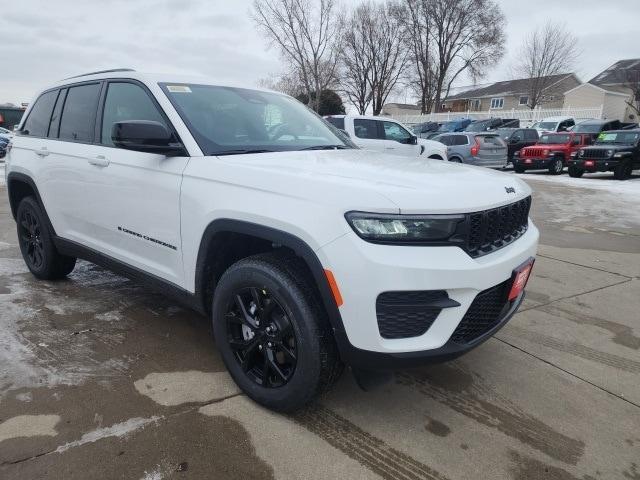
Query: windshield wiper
x,y
326,147
241,152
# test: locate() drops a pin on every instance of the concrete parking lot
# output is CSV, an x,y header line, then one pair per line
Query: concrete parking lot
x,y
101,378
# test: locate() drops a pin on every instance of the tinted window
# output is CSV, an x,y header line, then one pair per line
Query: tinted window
x,y
366,128
337,122
126,101
78,114
492,140
459,140
531,135
445,139
37,123
393,131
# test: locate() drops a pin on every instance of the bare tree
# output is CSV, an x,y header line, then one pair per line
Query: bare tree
x,y
288,83
305,32
355,67
547,51
630,78
416,20
386,53
468,36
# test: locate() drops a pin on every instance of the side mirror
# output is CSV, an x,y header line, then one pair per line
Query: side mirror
x,y
516,139
145,136
413,140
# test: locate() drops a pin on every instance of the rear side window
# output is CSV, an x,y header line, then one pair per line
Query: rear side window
x,y
459,140
337,122
37,123
126,101
79,113
444,139
365,128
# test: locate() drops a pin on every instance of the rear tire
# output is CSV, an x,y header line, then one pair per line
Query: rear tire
x,y
556,166
36,244
455,160
575,172
273,332
623,171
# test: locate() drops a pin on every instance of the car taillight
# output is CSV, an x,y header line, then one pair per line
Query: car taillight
x,y
475,148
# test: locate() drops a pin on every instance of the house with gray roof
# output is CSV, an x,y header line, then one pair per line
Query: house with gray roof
x,y
614,91
511,94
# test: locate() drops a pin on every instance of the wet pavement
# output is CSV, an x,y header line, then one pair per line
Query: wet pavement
x,y
100,378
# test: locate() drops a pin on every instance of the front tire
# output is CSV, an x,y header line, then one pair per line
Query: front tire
x,y
623,171
575,172
518,169
273,333
36,244
556,166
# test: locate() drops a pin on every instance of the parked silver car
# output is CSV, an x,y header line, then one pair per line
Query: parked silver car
x,y
481,149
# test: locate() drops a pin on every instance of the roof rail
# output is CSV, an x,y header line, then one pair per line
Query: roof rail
x,y
102,71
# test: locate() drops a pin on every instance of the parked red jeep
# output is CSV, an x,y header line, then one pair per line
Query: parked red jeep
x,y
552,152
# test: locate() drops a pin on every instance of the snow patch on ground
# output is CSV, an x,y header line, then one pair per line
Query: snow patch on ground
x,y
176,388
2,180
29,426
588,204
49,329
118,430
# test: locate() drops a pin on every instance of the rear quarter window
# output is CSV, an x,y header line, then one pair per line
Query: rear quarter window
x,y
37,123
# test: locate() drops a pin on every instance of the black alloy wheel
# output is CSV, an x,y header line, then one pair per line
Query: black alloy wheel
x,y
261,336
30,232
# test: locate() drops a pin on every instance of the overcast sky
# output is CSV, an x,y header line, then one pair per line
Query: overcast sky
x,y
40,43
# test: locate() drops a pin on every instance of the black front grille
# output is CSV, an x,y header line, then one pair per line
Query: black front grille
x,y
493,229
594,153
405,314
485,312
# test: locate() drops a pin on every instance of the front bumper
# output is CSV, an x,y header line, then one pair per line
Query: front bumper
x,y
363,271
532,163
591,165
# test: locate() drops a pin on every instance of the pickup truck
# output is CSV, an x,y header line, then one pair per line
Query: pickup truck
x,y
553,152
386,135
616,151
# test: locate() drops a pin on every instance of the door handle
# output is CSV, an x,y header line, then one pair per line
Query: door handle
x,y
43,152
99,161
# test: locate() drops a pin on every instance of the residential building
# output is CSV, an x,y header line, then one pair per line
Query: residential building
x,y
609,90
396,110
510,94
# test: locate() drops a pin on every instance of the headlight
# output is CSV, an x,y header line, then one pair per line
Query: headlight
x,y
581,153
391,228
545,152
609,153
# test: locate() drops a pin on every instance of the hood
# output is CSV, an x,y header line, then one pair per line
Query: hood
x,y
374,181
432,144
615,148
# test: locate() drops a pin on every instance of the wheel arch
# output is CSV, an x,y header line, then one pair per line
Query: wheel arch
x,y
263,235
19,186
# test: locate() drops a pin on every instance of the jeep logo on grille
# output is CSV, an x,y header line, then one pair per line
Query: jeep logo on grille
x,y
510,189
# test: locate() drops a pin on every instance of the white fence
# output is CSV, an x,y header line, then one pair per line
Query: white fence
x,y
526,116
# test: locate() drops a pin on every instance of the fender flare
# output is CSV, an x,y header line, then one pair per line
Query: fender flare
x,y
286,239
23,178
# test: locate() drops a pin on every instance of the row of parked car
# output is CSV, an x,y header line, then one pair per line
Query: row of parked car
x,y
552,144
5,136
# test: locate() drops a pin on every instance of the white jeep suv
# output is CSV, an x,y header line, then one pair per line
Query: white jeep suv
x,y
306,252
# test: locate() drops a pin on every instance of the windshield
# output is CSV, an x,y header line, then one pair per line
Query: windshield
x,y
587,128
448,127
624,138
545,125
554,139
225,120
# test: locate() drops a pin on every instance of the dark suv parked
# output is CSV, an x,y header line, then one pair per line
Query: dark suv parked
x,y
517,138
617,151
595,127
